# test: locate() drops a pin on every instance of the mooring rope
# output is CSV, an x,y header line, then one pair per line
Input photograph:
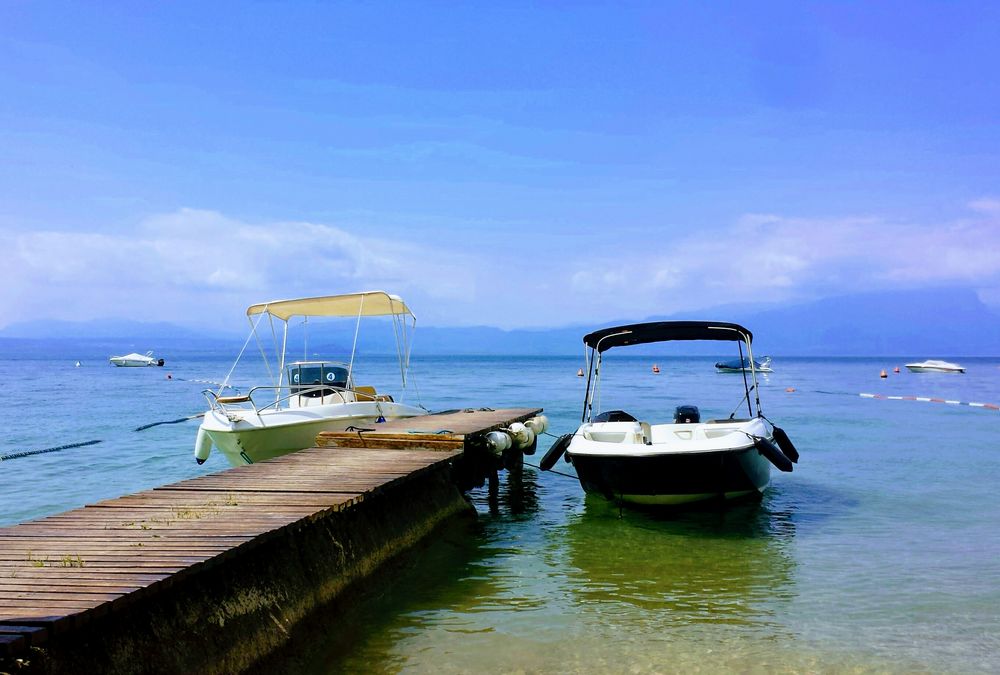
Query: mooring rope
x,y
558,473
29,453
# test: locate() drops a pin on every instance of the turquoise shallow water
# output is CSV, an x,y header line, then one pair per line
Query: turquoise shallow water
x,y
879,553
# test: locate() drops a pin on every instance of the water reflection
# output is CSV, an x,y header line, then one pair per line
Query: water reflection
x,y
705,566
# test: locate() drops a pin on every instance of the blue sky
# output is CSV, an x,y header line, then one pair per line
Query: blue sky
x,y
508,164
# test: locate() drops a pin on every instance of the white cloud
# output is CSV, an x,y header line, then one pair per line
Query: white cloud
x,y
195,265
775,258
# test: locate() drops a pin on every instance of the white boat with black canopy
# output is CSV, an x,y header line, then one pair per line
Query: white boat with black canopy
x,y
686,459
304,397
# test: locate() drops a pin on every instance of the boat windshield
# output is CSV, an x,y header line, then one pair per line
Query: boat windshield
x,y
305,376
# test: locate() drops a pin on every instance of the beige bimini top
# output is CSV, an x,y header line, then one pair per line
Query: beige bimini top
x,y
368,303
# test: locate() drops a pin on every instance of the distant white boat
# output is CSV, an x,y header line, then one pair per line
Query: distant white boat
x,y
935,366
135,360
737,366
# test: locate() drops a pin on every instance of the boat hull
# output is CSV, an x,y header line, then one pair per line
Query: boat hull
x,y
261,437
674,478
129,363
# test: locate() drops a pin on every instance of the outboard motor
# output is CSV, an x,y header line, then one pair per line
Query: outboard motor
x,y
687,414
159,362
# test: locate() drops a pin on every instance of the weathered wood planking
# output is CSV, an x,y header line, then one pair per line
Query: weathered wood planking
x,y
63,570
437,431
66,569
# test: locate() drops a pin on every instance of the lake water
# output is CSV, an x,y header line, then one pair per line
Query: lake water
x,y
881,552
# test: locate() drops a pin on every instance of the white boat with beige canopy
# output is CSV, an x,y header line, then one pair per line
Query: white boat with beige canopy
x,y
304,397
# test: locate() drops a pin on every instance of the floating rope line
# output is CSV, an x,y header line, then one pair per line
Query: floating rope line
x,y
221,385
29,453
176,421
928,399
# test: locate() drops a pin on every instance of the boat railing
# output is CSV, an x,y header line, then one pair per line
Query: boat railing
x,y
246,401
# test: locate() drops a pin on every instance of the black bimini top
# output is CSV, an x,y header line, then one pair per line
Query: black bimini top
x,y
664,331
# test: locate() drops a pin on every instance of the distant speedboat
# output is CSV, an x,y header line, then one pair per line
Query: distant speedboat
x,y
134,360
935,366
736,366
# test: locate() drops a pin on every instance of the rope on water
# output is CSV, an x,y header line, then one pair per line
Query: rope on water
x,y
221,385
29,453
176,421
923,399
928,399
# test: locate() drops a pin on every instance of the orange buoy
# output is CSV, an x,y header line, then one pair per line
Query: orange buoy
x,y
579,373
790,389
883,374
656,368
896,369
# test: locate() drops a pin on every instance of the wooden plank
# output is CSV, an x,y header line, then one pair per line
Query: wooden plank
x,y
331,439
92,579
80,586
458,422
435,430
74,595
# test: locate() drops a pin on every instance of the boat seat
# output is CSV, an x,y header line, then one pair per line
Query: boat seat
x,y
365,393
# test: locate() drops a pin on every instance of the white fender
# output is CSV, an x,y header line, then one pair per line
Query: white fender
x,y
539,424
202,446
497,442
521,434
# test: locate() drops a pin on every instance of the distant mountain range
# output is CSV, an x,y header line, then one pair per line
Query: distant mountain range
x,y
926,323
98,329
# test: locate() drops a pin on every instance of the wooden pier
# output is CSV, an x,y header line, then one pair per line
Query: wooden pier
x,y
217,561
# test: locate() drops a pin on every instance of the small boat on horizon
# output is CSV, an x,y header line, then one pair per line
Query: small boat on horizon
x,y
682,461
134,360
935,366
285,415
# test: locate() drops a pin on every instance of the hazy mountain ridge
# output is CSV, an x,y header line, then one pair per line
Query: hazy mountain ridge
x,y
941,322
